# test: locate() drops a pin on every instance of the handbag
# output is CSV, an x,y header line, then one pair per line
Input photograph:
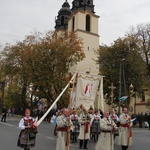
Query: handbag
x,y
32,135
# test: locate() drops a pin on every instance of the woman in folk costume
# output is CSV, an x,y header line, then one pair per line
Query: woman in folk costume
x,y
84,134
27,125
106,138
125,134
95,126
75,132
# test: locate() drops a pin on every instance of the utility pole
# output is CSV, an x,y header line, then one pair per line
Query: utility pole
x,y
119,88
2,85
124,80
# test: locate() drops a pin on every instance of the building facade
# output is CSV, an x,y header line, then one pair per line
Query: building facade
x,y
81,19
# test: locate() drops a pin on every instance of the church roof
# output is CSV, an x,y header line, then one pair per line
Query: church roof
x,y
65,8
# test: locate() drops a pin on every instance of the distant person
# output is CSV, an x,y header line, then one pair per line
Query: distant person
x,y
13,111
27,126
149,120
140,121
4,115
9,112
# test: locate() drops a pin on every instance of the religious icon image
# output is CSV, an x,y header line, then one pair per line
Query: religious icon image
x,y
88,90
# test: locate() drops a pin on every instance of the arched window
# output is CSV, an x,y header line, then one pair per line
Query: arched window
x,y
81,1
88,1
62,20
88,22
73,23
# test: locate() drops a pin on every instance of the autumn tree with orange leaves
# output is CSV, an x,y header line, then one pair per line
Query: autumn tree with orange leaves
x,y
39,64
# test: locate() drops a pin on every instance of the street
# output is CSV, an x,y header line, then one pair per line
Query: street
x,y
47,141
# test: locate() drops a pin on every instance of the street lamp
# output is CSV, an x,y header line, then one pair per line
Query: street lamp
x,y
131,89
120,81
2,85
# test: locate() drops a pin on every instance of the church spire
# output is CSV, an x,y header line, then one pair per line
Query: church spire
x,y
63,15
83,5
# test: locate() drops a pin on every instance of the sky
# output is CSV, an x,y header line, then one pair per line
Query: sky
x,y
19,18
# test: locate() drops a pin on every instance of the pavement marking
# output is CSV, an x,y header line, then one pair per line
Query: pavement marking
x,y
4,123
50,138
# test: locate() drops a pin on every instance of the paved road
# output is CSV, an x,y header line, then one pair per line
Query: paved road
x,y
46,141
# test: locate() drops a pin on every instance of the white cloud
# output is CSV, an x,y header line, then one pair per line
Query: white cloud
x,y
20,17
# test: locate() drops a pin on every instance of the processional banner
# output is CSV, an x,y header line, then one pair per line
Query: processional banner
x,y
87,86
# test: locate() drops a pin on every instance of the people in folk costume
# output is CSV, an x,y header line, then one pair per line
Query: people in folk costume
x,y
95,125
115,118
106,140
84,134
63,129
75,132
27,125
125,134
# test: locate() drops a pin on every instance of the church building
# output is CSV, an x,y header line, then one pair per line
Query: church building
x,y
81,19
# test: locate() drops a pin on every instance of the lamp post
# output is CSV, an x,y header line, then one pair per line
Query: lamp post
x,y
131,89
2,86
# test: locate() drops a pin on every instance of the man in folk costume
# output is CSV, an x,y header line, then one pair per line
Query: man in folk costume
x,y
115,118
84,135
63,129
125,132
95,125
106,140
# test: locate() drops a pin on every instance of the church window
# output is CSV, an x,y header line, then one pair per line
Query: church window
x,y
88,22
62,20
88,2
81,1
73,23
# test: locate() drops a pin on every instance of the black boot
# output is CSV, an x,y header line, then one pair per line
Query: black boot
x,y
80,144
85,144
124,147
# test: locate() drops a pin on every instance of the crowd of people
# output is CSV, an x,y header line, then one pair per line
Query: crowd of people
x,y
80,125
94,125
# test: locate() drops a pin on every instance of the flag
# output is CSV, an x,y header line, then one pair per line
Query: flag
x,y
123,98
87,86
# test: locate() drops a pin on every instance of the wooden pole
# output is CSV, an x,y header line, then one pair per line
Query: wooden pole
x,y
68,131
42,118
130,113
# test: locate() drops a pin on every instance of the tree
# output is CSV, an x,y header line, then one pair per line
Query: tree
x,y
124,53
41,62
141,34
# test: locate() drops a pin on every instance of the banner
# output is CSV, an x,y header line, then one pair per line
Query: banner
x,y
101,98
73,99
87,86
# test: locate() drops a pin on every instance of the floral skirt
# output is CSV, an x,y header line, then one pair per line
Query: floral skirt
x,y
24,141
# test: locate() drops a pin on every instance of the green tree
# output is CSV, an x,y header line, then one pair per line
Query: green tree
x,y
123,52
